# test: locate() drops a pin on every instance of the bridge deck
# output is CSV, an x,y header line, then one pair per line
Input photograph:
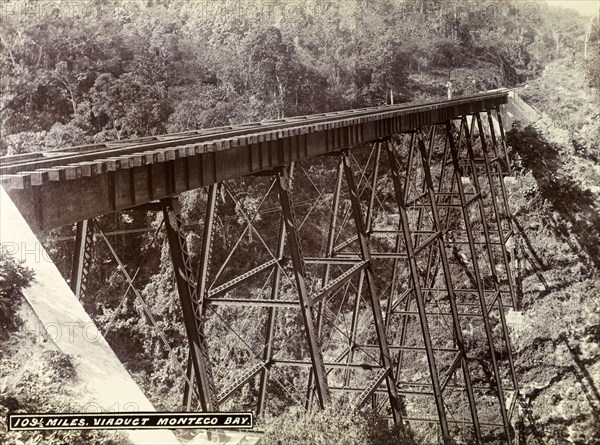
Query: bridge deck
x,y
59,187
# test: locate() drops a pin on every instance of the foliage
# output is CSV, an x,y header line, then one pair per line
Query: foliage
x,y
557,220
147,68
13,279
334,424
593,63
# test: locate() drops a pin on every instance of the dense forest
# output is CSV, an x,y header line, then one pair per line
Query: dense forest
x,y
89,71
154,67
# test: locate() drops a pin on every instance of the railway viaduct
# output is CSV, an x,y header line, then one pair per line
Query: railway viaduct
x,y
404,284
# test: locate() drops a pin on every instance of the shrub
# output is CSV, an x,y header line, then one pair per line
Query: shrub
x,y
336,424
13,279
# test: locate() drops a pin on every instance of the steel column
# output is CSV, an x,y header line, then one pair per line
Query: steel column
x,y
353,327
326,269
191,305
203,264
188,388
450,287
316,354
368,224
503,141
405,320
82,258
270,327
375,304
414,272
504,197
205,252
502,248
476,272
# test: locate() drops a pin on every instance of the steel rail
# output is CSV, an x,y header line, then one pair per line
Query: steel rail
x,y
61,156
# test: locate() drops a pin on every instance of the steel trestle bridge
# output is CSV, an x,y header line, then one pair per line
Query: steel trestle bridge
x,y
377,246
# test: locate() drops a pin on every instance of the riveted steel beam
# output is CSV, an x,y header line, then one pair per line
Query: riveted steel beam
x,y
191,306
84,240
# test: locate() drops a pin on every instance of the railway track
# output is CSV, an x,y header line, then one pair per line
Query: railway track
x,y
191,143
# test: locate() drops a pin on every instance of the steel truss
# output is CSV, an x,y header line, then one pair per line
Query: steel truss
x,y
380,273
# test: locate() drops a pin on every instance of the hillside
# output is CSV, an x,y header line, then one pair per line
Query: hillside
x,y
556,202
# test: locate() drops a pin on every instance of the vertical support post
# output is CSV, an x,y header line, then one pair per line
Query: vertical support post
x,y
316,355
369,221
503,141
82,257
191,305
480,205
477,274
354,327
333,222
514,293
511,283
326,269
392,293
203,264
495,208
502,241
432,262
189,383
414,273
270,327
406,319
450,287
204,261
375,304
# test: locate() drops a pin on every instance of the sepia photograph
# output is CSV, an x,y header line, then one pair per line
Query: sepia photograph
x,y
299,222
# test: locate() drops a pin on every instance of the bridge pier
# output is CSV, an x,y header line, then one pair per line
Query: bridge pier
x,y
326,274
462,357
